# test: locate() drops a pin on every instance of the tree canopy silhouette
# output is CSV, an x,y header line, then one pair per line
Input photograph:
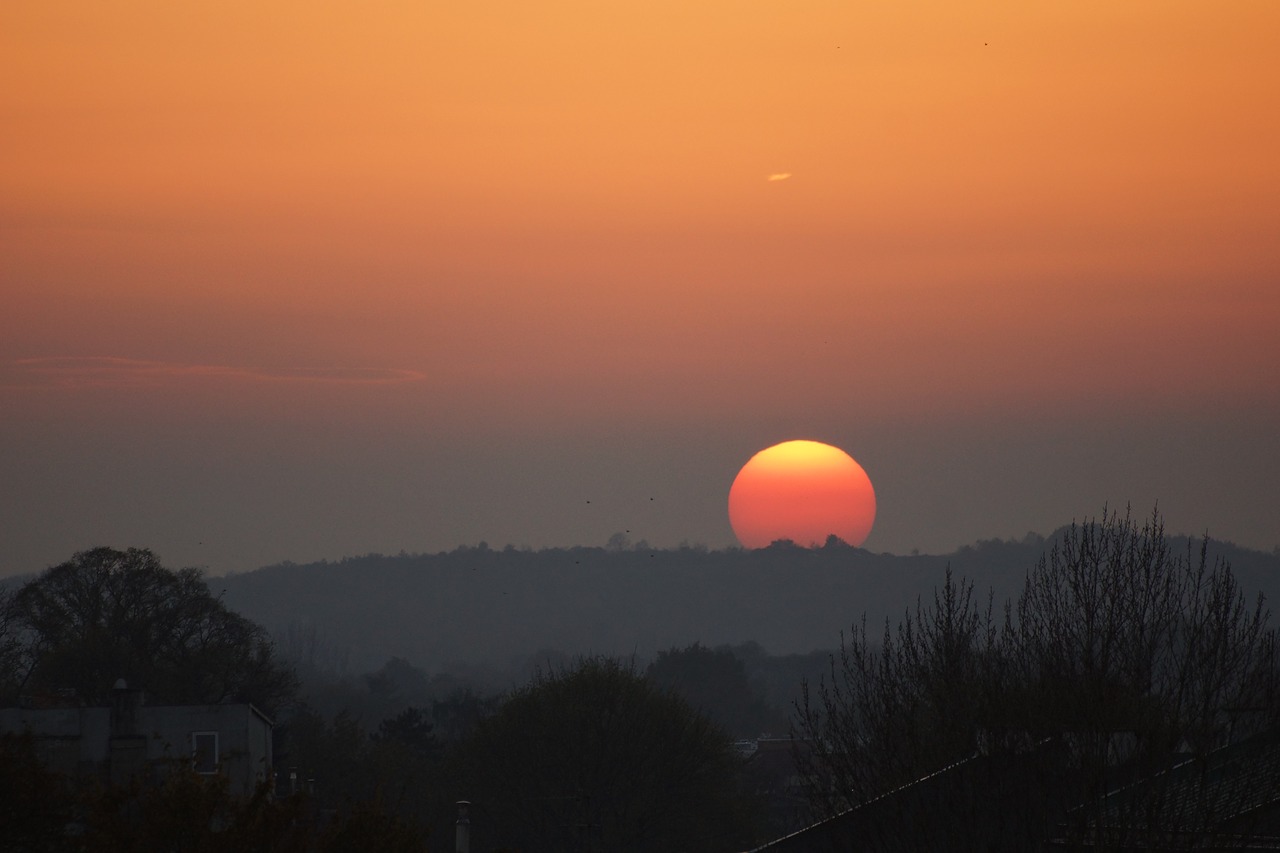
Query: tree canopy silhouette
x,y
598,757
715,683
105,614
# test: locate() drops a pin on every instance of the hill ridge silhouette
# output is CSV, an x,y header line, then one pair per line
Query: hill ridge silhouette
x,y
478,605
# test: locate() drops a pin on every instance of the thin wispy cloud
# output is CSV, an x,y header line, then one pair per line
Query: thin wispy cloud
x,y
112,372
779,176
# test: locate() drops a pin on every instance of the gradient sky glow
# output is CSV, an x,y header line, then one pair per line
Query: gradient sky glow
x,y
288,280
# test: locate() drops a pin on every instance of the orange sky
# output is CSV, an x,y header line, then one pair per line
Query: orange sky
x,y
530,220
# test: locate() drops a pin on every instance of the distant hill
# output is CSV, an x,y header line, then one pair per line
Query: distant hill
x,y
475,605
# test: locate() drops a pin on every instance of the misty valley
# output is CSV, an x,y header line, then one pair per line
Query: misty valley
x,y
635,698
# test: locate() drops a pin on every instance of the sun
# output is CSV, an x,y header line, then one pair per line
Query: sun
x,y
804,491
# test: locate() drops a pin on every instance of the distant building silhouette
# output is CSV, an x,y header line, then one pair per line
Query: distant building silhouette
x,y
131,740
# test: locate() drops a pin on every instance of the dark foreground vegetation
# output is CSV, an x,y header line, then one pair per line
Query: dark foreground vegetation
x,y
1099,702
1126,662
591,751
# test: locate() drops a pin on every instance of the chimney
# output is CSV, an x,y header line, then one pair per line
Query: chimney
x,y
462,835
125,703
126,746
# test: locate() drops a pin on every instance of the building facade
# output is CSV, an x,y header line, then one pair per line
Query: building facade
x,y
133,740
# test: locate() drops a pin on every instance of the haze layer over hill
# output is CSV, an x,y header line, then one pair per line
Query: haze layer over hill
x,y
475,605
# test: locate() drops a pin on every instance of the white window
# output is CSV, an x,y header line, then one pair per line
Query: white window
x,y
204,752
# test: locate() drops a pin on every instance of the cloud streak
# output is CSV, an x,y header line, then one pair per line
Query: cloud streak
x,y
75,372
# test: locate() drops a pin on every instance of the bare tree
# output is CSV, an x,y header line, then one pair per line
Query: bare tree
x,y
1130,658
888,714
1141,658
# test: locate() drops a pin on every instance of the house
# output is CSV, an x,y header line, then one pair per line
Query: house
x,y
1228,799
982,803
770,772
133,740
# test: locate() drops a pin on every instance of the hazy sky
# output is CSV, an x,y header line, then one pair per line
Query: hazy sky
x,y
299,280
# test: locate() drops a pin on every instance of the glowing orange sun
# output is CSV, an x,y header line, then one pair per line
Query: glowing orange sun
x,y
804,491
